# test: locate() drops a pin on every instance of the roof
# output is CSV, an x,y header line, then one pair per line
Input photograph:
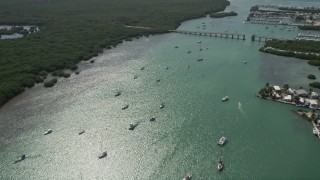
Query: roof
x,y
301,91
277,88
313,102
287,97
314,94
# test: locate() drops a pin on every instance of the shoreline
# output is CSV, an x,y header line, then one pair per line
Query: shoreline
x,y
8,95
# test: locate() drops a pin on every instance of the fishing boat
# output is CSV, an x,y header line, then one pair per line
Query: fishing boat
x,y
222,141
135,77
158,80
167,67
21,158
125,107
142,68
189,52
226,98
220,165
47,132
244,62
187,177
102,154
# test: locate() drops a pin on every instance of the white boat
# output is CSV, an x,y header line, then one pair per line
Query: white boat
x,y
220,165
158,80
244,62
167,67
47,132
161,105
226,98
222,141
187,177
103,154
199,42
315,131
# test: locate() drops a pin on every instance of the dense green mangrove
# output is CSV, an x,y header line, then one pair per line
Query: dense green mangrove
x,y
223,14
309,50
75,30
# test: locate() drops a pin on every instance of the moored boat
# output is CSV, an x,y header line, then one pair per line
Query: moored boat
x,y
125,107
153,118
220,165
222,141
132,126
22,157
103,154
49,131
187,177
161,105
118,93
226,98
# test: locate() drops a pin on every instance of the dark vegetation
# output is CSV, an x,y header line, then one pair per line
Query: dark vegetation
x,y
307,47
306,10
50,83
311,76
223,14
313,28
315,84
75,30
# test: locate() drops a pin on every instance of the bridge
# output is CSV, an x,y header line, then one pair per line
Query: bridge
x,y
213,34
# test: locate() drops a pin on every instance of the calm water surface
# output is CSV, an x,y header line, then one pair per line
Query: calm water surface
x,y
266,140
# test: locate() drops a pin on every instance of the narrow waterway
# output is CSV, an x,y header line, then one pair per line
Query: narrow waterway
x,y
266,140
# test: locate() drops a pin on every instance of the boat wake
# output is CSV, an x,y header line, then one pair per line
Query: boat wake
x,y
241,110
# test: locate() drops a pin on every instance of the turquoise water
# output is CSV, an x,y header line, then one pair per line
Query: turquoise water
x,y
266,140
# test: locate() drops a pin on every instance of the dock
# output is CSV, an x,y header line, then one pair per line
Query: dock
x,y
213,34
315,126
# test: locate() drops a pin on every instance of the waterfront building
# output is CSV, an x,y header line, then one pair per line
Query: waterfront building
x,y
301,93
288,98
314,95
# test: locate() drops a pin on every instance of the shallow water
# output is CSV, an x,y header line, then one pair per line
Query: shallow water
x,y
266,140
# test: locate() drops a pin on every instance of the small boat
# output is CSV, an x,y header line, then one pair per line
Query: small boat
x,y
135,77
125,107
226,98
103,154
153,118
188,66
187,177
47,132
132,126
22,157
158,80
142,68
199,42
200,49
176,47
315,131
117,94
189,52
222,141
200,59
161,105
244,62
220,165
81,132
167,67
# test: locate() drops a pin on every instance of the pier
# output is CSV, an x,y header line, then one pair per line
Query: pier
x,y
213,34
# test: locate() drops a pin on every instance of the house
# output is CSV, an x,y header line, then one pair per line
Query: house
x,y
314,95
277,88
290,91
313,103
276,96
288,98
301,93
301,100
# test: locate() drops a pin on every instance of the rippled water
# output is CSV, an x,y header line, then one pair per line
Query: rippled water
x,y
266,140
